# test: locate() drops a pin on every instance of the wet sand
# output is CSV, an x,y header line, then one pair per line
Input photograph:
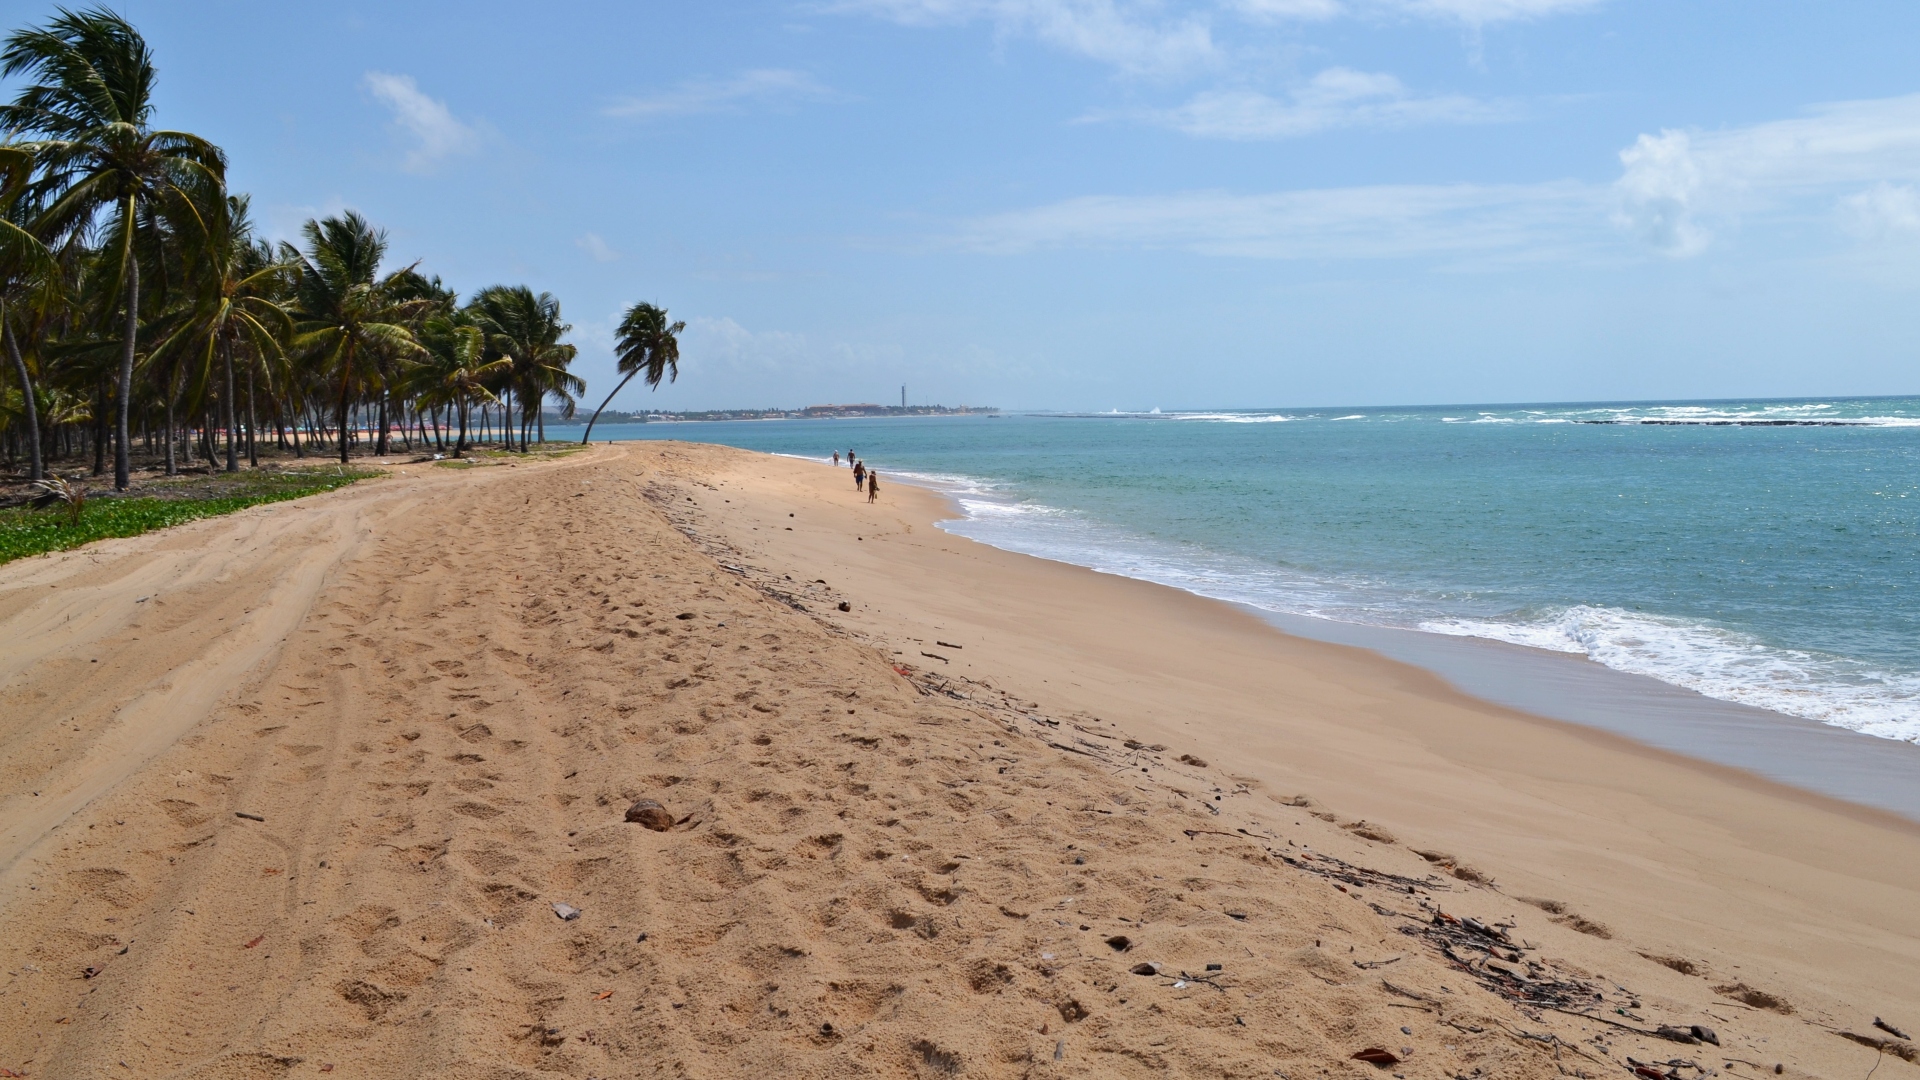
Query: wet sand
x,y
1846,765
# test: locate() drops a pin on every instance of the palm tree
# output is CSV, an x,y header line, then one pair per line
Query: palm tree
x,y
456,370
644,343
96,152
526,328
26,269
348,323
232,307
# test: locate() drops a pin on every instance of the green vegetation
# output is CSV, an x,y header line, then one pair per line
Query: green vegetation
x,y
26,531
539,452
143,317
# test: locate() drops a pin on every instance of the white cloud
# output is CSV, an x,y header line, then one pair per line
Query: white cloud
x,y
1657,193
1303,10
1487,12
1674,191
596,247
1472,12
719,95
1882,212
1388,221
437,135
1127,34
1145,37
725,346
731,354
1678,185
1335,98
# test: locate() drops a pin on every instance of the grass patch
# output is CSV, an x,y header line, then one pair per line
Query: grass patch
x,y
478,457
25,531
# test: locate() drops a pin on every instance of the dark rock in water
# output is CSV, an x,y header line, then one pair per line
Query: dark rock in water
x,y
651,814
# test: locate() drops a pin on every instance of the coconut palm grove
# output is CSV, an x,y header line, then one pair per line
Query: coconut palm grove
x,y
151,330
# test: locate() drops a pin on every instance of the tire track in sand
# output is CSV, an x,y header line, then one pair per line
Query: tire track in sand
x,y
273,562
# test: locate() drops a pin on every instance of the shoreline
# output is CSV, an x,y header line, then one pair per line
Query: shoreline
x,y
1779,638
1834,762
1872,778
1661,848
1870,771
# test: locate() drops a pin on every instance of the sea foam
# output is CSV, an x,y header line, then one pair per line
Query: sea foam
x,y
1711,661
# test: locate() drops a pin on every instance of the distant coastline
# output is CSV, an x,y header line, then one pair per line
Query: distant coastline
x,y
811,412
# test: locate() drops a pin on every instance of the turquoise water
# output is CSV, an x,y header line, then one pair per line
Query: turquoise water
x,y
1763,552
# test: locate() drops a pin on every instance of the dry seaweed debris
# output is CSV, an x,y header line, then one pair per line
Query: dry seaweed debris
x,y
1335,869
1488,955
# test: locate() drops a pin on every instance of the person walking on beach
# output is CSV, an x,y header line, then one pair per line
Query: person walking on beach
x,y
836,459
873,487
859,475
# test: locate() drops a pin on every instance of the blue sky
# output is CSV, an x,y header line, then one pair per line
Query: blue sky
x,y
1108,203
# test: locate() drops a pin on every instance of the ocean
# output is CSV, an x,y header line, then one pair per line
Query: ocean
x,y
1763,553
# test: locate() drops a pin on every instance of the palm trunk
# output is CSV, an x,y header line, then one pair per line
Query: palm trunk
x,y
226,404
346,376
604,404
35,469
122,466
460,448
100,427
173,427
380,445
253,448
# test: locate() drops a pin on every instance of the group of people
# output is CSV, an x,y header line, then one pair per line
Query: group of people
x,y
863,477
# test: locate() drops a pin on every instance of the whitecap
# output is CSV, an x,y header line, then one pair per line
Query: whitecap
x,y
1718,663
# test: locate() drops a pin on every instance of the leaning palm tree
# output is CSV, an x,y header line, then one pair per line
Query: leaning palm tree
x,y
88,107
525,327
644,343
348,323
232,308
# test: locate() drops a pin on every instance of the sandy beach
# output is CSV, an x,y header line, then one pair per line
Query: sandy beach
x,y
338,786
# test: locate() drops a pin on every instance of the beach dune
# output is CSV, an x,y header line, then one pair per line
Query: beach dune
x,y
342,786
